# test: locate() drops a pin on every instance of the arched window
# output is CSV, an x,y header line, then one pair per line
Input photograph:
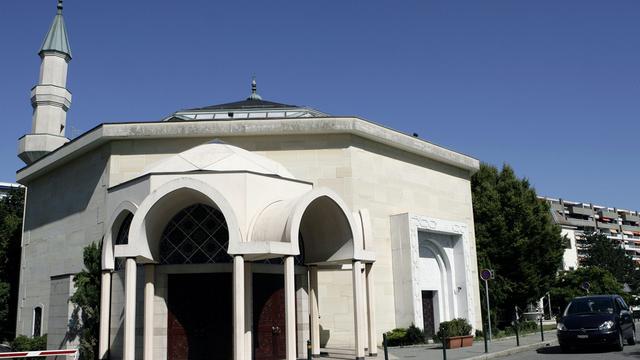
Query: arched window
x,y
123,232
37,321
122,238
198,234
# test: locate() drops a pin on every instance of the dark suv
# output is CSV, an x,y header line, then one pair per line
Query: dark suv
x,y
597,319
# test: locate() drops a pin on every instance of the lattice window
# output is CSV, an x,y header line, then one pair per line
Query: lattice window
x,y
198,234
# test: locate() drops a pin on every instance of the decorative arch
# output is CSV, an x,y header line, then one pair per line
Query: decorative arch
x,y
119,215
165,202
446,278
326,224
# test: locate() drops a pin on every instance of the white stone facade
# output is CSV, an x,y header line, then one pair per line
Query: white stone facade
x,y
432,254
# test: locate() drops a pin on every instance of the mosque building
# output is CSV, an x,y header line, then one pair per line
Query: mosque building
x,y
243,229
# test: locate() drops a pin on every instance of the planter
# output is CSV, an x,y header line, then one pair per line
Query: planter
x,y
455,342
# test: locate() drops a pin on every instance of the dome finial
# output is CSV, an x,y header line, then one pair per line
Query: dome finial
x,y
59,6
254,90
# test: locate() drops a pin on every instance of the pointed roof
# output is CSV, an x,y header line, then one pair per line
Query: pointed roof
x,y
57,39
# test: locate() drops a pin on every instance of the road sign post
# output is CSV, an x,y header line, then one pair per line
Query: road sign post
x,y
485,275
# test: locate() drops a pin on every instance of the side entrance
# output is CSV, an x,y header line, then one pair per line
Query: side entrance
x,y
427,314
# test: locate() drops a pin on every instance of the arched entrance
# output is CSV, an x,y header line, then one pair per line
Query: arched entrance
x,y
229,277
199,305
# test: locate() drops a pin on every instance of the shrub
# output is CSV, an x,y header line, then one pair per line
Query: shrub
x,y
396,337
414,335
528,326
25,343
455,327
409,336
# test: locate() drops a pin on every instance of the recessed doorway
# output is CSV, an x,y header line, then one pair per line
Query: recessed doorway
x,y
199,318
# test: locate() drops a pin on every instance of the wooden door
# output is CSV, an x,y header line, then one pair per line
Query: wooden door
x,y
427,314
268,317
199,324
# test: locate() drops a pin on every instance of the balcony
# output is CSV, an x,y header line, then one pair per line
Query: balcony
x,y
608,214
604,225
631,228
630,217
581,222
579,210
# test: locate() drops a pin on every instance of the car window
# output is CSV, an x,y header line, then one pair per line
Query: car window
x,y
590,305
622,304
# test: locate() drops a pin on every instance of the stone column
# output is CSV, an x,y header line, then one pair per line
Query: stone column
x,y
105,310
314,315
248,313
129,348
238,307
371,311
365,324
290,307
358,309
149,298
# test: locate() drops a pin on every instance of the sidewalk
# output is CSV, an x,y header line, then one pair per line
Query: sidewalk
x,y
497,348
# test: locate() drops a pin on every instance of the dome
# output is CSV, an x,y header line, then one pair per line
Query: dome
x,y
218,156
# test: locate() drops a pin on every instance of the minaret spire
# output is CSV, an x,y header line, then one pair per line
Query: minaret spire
x,y
254,90
50,98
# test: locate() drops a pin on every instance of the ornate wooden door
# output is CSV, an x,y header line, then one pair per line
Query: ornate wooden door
x,y
427,314
268,317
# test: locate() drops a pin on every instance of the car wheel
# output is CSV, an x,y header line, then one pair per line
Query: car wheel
x,y
632,339
620,343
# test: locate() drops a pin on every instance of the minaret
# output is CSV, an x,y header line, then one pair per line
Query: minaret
x,y
50,98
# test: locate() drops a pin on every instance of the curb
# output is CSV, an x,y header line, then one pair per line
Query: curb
x,y
512,351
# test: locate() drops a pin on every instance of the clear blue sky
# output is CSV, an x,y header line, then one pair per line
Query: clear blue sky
x,y
550,87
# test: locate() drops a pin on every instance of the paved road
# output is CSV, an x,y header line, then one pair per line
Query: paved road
x,y
554,353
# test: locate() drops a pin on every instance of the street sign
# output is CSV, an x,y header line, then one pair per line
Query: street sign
x,y
486,274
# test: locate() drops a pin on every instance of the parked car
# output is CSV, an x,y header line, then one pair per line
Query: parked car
x,y
596,320
5,348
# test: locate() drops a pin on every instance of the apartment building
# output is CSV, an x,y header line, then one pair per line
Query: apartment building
x,y
578,219
6,187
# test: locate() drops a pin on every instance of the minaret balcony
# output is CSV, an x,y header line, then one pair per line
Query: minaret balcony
x,y
32,147
52,95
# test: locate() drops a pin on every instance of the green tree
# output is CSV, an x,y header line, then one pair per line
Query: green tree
x,y
87,298
11,211
610,256
568,285
515,236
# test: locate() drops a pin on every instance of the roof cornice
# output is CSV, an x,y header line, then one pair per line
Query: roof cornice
x,y
105,133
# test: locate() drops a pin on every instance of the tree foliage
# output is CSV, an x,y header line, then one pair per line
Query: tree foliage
x,y
87,298
11,211
608,255
515,236
568,285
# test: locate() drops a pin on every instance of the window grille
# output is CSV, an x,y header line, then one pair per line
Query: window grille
x,y
198,234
